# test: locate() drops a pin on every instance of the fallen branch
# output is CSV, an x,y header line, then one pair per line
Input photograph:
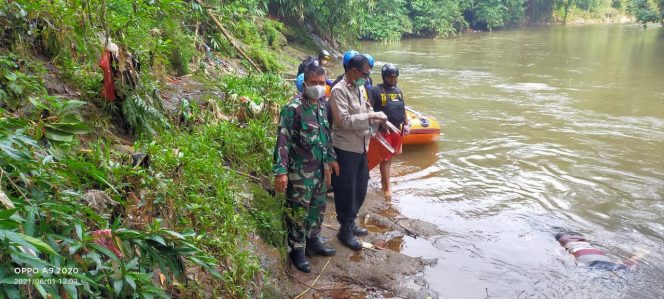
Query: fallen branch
x,y
316,280
255,178
301,282
15,187
230,38
407,231
353,280
5,200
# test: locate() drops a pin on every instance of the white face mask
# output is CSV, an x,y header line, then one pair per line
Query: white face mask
x,y
315,92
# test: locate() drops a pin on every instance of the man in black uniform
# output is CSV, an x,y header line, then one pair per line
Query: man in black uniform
x,y
388,98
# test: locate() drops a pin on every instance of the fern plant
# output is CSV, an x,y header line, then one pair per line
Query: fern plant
x,y
143,112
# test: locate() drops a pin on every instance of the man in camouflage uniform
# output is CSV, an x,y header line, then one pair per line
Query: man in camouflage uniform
x,y
303,163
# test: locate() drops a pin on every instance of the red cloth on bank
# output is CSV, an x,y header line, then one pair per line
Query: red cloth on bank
x,y
108,90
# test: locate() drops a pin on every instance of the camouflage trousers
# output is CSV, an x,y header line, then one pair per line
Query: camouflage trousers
x,y
306,197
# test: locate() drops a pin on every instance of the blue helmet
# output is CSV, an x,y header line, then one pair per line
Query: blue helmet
x,y
299,82
348,55
371,60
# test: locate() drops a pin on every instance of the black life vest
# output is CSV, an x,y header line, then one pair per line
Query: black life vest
x,y
392,105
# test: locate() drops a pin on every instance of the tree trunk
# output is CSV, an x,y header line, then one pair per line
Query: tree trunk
x,y
568,3
228,36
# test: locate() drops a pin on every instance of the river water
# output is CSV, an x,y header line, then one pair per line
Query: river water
x,y
543,129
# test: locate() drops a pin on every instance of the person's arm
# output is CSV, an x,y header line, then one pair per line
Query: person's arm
x,y
342,116
331,165
282,148
406,121
331,154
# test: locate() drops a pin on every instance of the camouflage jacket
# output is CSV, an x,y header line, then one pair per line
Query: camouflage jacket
x,y
304,140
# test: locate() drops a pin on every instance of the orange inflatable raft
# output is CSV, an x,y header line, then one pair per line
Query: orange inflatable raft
x,y
423,128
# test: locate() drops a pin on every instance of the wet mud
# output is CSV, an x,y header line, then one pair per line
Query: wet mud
x,y
380,270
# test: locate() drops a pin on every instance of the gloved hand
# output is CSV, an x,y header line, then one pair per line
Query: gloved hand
x,y
390,127
377,115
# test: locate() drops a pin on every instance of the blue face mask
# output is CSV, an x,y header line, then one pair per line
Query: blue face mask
x,y
360,82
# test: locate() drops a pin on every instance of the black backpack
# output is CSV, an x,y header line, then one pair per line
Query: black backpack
x,y
305,63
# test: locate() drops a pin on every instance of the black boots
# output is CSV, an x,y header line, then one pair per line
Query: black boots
x,y
359,231
299,260
316,247
346,237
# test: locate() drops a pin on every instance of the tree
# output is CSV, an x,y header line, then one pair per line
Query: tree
x,y
386,20
436,17
647,11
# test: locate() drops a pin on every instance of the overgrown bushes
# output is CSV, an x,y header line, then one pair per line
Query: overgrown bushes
x,y
192,208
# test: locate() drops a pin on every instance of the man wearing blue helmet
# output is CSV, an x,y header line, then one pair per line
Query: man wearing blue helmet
x,y
353,122
347,57
369,83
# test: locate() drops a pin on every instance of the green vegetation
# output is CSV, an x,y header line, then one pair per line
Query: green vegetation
x,y
647,11
395,19
70,200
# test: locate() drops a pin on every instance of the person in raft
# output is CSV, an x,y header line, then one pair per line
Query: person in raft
x,y
388,98
351,130
587,255
304,160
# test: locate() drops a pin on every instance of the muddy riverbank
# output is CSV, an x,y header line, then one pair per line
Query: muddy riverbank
x,y
380,270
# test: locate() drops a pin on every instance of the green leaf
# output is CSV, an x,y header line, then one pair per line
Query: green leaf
x,y
11,291
82,277
58,135
7,213
41,290
130,280
79,231
157,238
75,247
71,105
9,224
117,287
27,241
17,89
73,128
128,234
71,290
174,234
29,223
11,76
105,251
132,265
29,260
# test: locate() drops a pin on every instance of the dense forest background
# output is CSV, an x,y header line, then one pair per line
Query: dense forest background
x,y
395,19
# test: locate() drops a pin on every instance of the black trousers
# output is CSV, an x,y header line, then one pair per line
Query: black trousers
x,y
350,187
